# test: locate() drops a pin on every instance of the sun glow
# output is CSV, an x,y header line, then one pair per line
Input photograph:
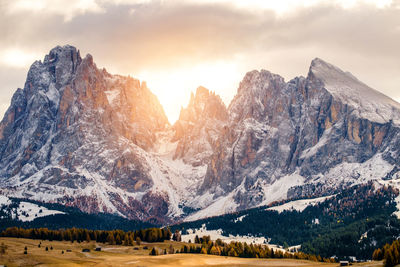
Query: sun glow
x,y
173,87
17,58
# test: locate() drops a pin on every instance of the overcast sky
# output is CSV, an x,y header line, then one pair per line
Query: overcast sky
x,y
179,45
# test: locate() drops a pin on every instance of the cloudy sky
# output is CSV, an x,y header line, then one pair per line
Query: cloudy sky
x,y
178,45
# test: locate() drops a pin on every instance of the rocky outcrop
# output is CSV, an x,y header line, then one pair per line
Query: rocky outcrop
x,y
199,126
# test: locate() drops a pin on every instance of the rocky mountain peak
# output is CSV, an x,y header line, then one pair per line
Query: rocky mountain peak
x,y
201,93
366,102
60,54
198,126
62,63
255,90
202,105
254,80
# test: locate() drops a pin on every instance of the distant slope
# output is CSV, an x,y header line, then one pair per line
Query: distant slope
x,y
351,223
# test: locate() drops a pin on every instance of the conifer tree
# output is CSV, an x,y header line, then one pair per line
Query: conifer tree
x,y
110,239
153,252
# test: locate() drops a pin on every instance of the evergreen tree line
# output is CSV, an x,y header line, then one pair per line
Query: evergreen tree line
x,y
351,240
243,250
342,221
113,237
389,253
294,227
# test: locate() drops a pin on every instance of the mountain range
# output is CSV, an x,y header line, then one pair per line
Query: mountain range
x,y
81,137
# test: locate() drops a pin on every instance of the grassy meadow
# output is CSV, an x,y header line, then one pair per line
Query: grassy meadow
x,y
114,255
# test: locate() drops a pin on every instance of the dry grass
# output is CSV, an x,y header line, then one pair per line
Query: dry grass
x,y
126,256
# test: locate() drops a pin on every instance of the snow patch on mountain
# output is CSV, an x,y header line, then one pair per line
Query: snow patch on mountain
x,y
4,201
240,218
395,183
355,173
218,234
219,206
321,142
300,204
215,207
27,211
278,189
112,95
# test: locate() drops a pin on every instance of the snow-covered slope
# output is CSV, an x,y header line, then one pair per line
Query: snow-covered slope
x,y
218,234
298,205
25,211
366,102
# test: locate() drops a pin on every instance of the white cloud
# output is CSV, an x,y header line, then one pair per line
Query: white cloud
x,y
66,8
128,2
288,6
17,58
72,8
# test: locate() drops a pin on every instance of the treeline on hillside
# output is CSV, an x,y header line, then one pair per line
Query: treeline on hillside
x,y
357,239
243,250
332,227
293,227
73,217
389,253
113,237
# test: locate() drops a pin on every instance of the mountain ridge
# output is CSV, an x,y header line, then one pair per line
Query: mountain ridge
x,y
79,136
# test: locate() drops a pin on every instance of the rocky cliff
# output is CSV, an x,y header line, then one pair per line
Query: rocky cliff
x,y
199,127
308,137
77,135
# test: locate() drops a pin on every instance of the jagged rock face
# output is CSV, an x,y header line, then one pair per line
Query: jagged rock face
x,y
199,126
75,134
80,136
304,132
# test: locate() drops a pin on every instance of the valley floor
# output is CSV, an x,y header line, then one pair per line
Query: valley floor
x,y
126,256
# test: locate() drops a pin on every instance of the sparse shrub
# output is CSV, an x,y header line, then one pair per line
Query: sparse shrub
x,y
153,252
3,248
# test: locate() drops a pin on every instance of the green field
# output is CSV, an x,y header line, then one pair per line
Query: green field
x,y
112,255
